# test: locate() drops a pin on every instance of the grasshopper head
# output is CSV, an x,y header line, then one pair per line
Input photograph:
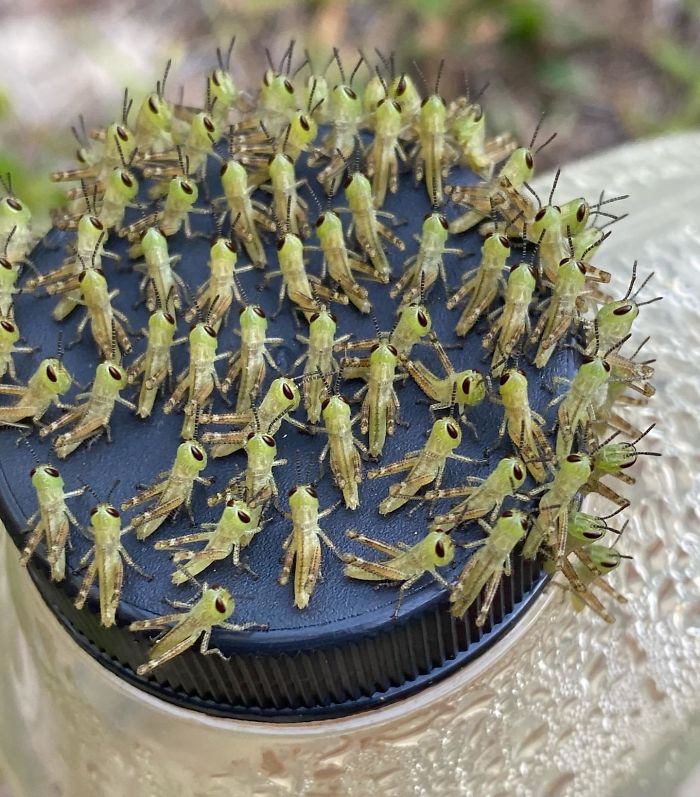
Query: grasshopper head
x,y
47,479
440,548
53,376
471,388
216,605
191,457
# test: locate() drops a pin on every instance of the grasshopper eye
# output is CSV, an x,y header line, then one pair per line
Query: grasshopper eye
x,y
15,204
222,170
427,216
477,118
529,161
230,246
7,326
32,472
292,491
333,317
304,122
232,501
440,549
443,222
580,212
152,104
96,223
5,263
573,458
380,103
393,350
325,403
197,453
244,517
525,523
581,266
288,87
507,513
452,431
532,271
606,365
215,78
563,261
51,472
51,374
423,102
396,105
350,93
128,182
186,187
220,606
504,379
288,158
123,134
314,317
466,385
517,472
587,359
401,87
169,318
269,440
94,511
321,219
208,124
540,214
347,182
626,308
312,492
422,319
112,511
593,535
280,244
259,311
210,331
115,373
287,391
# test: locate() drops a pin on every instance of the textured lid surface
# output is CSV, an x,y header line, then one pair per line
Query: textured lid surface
x,y
345,652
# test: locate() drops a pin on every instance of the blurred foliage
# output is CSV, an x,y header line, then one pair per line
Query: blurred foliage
x,y
603,72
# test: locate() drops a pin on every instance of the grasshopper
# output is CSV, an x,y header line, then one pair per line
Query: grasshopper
x,y
47,383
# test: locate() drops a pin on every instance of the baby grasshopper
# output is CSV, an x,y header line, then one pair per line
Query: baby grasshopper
x,y
105,321
524,426
488,565
16,236
381,404
9,335
277,100
483,286
222,90
281,398
246,214
160,279
467,125
154,121
426,465
173,491
382,159
47,383
565,306
339,262
9,274
248,364
303,547
464,388
597,561
512,320
235,529
552,521
316,89
214,606
321,344
343,447
286,202
217,294
403,564
368,229
91,418
419,277
154,364
200,378
108,557
54,519
484,496
403,90
613,459
434,153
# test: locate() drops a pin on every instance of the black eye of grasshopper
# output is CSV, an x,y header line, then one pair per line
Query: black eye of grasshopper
x,y
288,392
269,440
504,379
280,244
15,204
573,458
7,326
266,78
32,472
401,87
128,182
581,266
51,472
466,385
396,105
610,563
304,122
96,223
152,104
288,87
626,308
517,472
220,605
314,317
350,92
169,318
292,491
422,319
540,214
580,212
507,513
312,492
288,157
443,222
112,511
51,373
115,373
210,331
231,246
348,180
333,317
422,105
529,160
326,401
321,219
186,187
452,431
477,118
606,365
439,549
232,501
215,78
222,170
197,453
393,350
525,523
587,359
259,311
244,517
563,261
592,535
123,134
208,124
5,263
94,511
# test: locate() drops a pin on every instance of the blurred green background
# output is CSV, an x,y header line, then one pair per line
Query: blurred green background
x,y
604,71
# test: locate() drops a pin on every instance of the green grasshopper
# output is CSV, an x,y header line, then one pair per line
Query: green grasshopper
x,y
50,381
9,336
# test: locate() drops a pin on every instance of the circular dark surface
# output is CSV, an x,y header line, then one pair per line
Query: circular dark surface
x,y
345,652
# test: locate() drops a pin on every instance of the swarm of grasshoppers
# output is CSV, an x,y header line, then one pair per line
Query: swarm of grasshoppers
x,y
476,340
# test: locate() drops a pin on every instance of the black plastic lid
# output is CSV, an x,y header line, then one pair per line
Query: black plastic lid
x,y
345,652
